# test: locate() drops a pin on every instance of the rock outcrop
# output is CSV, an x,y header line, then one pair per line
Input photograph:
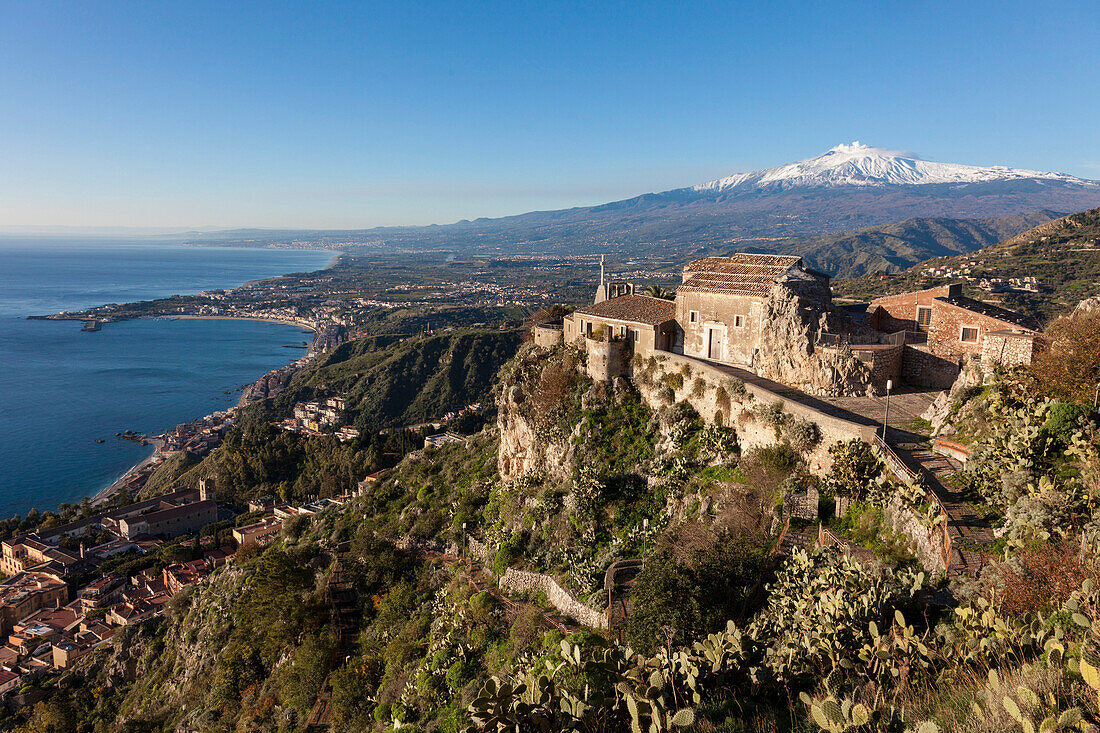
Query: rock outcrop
x,y
787,348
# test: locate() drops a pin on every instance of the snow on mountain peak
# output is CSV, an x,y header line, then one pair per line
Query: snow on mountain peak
x,y
856,164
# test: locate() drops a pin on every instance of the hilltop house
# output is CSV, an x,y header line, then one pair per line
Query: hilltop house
x,y
944,328
772,315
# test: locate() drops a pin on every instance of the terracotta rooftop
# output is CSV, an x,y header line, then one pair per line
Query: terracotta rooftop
x,y
744,263
738,274
992,311
634,309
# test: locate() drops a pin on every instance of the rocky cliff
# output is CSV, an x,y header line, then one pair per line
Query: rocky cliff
x,y
787,347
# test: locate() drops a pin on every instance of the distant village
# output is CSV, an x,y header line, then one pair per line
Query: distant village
x,y
965,271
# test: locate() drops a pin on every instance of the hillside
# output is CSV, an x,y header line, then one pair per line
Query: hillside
x,y
893,247
1063,255
395,381
426,601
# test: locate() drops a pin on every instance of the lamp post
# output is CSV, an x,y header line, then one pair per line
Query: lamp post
x,y
886,415
462,547
645,538
1095,396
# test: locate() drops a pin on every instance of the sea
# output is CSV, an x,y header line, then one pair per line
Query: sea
x,y
62,390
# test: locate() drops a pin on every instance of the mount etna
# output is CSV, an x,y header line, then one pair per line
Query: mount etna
x,y
813,207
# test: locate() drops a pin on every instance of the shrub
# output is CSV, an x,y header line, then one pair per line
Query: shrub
x,y
802,434
855,468
722,397
674,380
1062,420
1070,366
507,554
770,413
765,469
666,394
699,387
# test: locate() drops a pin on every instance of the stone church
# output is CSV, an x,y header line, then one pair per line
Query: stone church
x,y
719,313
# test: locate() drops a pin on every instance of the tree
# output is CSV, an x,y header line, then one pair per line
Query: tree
x,y
656,291
1070,364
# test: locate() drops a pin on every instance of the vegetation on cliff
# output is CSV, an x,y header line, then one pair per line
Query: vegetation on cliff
x,y
725,628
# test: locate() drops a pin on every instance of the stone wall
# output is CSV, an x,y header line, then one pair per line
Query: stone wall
x,y
801,506
921,368
605,358
522,581
738,414
547,335
1007,348
478,550
929,543
883,361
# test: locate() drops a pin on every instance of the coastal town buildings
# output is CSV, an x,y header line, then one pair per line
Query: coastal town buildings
x,y
258,533
27,592
314,418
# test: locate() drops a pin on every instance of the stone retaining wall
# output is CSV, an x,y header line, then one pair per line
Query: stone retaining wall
x,y
930,544
479,550
547,335
522,581
919,366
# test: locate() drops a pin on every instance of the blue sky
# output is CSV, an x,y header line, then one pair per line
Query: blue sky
x,y
359,114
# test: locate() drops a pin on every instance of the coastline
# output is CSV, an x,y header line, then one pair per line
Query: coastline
x,y
107,493
148,464
281,321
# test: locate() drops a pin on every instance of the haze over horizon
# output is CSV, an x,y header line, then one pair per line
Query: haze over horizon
x,y
127,115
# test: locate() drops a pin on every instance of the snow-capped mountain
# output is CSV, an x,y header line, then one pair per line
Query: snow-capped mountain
x,y
862,165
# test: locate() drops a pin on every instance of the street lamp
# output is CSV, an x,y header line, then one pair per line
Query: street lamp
x,y
645,537
886,416
1095,396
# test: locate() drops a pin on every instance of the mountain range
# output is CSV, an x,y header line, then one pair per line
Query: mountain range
x,y
848,188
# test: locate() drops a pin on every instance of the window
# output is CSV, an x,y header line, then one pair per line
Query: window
x,y
924,315
738,321
693,317
969,335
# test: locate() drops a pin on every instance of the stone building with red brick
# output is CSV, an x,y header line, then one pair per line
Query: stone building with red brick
x,y
944,328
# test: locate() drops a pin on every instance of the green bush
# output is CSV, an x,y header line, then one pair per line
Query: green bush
x,y
508,553
1063,420
855,468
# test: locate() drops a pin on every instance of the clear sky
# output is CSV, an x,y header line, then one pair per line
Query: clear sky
x,y
318,114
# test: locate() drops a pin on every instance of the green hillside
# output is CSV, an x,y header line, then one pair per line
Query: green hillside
x,y
893,247
1064,255
392,381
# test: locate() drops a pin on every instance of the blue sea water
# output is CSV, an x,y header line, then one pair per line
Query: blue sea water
x,y
61,389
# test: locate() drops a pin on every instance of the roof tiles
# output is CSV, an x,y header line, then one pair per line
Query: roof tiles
x,y
633,308
738,274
